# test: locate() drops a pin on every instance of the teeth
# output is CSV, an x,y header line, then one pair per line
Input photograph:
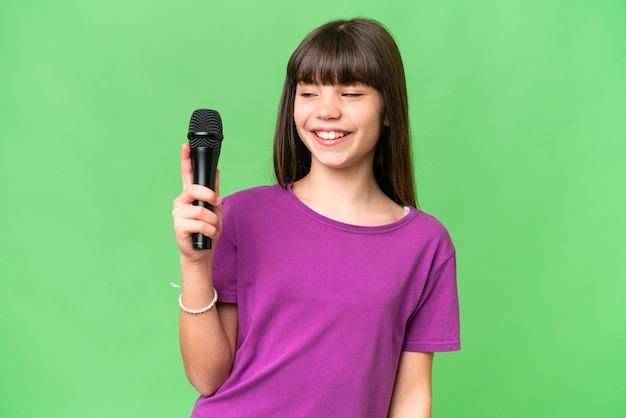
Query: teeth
x,y
330,135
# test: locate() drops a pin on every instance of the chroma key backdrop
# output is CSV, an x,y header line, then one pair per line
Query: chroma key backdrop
x,y
518,112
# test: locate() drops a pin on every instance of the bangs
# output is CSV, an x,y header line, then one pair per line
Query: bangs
x,y
335,58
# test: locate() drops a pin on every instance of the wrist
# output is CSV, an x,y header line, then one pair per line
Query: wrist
x,y
196,276
206,308
192,265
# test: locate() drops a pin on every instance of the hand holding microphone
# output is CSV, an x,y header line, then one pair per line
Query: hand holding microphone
x,y
205,139
199,158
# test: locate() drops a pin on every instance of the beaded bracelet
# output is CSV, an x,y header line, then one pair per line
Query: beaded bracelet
x,y
197,311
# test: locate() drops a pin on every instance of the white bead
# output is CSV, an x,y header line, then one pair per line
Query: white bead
x,y
197,311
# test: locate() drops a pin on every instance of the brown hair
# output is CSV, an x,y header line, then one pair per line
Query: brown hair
x,y
349,52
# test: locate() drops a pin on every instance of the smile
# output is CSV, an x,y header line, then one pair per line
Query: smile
x,y
330,134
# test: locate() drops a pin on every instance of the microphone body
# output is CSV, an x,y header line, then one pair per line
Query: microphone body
x,y
205,139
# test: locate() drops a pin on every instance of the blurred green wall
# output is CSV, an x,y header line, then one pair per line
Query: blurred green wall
x,y
518,111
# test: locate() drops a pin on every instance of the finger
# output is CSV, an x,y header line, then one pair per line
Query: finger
x,y
194,219
199,213
184,228
186,169
196,192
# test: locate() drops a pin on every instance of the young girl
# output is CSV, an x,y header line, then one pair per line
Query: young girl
x,y
334,289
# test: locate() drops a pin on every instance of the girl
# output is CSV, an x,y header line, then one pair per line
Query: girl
x,y
334,289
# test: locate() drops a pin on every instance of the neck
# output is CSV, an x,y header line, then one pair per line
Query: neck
x,y
346,196
340,187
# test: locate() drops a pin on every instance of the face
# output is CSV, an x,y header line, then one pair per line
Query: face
x,y
339,124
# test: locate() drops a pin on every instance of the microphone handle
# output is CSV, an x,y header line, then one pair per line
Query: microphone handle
x,y
204,163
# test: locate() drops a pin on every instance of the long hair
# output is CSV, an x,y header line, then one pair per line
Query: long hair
x,y
348,52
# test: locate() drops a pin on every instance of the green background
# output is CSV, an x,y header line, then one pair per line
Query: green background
x,y
518,111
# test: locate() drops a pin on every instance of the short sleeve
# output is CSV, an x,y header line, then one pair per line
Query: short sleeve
x,y
225,261
435,324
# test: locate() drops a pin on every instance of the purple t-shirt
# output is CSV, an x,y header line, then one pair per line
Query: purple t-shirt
x,y
326,308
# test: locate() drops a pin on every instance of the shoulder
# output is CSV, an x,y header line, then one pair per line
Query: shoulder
x,y
428,224
254,204
253,196
430,231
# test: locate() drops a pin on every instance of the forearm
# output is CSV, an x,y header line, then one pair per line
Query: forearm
x,y
412,393
205,346
411,408
418,406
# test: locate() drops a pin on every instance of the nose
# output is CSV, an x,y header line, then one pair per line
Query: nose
x,y
328,107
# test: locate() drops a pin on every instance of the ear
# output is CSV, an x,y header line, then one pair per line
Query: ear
x,y
386,121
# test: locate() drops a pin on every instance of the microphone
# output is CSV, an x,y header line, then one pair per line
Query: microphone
x,y
205,139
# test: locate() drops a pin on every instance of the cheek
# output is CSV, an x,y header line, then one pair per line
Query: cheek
x,y
298,117
299,121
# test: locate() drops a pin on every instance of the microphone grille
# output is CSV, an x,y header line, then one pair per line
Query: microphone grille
x,y
205,129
